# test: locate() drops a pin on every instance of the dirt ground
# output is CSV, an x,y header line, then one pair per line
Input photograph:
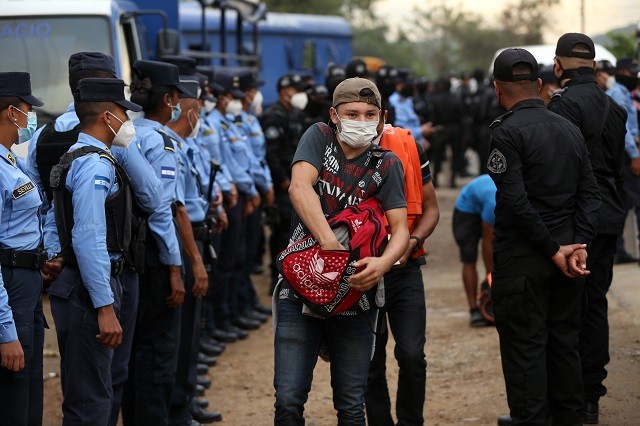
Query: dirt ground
x,y
464,384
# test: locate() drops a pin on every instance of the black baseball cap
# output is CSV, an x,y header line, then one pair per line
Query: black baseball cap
x,y
546,74
567,46
18,84
210,74
160,73
503,65
84,61
230,84
628,64
193,87
606,66
356,68
104,90
185,64
291,80
248,80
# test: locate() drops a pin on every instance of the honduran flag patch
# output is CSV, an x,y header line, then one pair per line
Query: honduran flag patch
x,y
101,182
168,172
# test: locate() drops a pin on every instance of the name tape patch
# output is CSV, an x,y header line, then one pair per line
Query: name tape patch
x,y
168,172
23,189
101,182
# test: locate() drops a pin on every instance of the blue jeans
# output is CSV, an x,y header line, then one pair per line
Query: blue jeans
x,y
406,312
349,339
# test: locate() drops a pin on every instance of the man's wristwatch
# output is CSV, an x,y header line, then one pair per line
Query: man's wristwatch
x,y
418,243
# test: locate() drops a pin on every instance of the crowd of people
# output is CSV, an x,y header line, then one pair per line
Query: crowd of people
x,y
143,218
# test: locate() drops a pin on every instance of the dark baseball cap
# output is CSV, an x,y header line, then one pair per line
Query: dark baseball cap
x,y
503,65
606,66
104,90
84,61
230,84
357,90
185,64
356,68
567,46
18,84
628,64
160,73
210,73
248,80
546,74
193,88
291,80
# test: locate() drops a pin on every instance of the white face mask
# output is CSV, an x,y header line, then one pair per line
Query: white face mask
x,y
125,133
194,128
209,106
256,104
357,134
234,107
299,100
611,80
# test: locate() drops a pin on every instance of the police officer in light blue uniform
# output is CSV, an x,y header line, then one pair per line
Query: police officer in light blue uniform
x,y
237,155
405,116
145,186
156,87
21,318
92,215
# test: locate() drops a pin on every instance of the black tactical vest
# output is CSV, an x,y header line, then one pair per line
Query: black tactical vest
x,y
50,147
118,207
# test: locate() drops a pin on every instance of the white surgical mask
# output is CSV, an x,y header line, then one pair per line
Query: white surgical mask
x,y
299,100
234,107
194,128
209,106
611,80
357,134
256,104
125,133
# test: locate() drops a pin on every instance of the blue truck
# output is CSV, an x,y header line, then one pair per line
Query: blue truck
x,y
38,36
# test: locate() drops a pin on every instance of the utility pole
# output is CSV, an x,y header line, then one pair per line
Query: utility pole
x,y
582,17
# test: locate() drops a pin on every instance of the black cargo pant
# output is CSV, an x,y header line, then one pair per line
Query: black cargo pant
x,y
594,335
152,366
21,392
85,365
537,311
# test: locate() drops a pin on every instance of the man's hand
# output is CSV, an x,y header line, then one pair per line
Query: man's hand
x,y
200,277
110,331
222,221
231,198
51,269
177,287
635,166
427,129
577,263
284,185
269,198
332,245
219,198
407,254
374,269
562,255
248,207
12,356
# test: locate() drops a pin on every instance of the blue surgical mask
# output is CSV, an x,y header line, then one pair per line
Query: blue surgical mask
x,y
176,110
26,133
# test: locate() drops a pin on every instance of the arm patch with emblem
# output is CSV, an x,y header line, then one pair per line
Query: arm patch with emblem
x,y
497,162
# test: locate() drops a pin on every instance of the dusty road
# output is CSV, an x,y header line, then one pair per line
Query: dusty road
x,y
464,384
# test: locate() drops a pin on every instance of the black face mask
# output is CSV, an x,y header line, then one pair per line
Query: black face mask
x,y
314,108
627,81
406,91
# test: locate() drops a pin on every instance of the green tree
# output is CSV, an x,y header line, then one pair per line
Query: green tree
x,y
621,44
527,19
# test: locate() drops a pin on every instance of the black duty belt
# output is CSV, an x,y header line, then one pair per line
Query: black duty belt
x,y
116,266
29,259
200,231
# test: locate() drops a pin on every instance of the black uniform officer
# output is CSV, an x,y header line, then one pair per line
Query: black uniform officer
x,y
602,123
283,125
546,204
92,211
21,318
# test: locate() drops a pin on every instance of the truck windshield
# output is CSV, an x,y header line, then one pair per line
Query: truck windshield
x,y
42,46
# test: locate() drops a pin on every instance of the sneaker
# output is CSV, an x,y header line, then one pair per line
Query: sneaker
x,y
477,320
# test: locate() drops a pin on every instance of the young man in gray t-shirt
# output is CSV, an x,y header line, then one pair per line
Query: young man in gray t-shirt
x,y
332,170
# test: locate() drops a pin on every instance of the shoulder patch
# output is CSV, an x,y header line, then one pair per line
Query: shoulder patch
x,y
101,182
498,120
23,189
167,172
497,162
11,158
272,132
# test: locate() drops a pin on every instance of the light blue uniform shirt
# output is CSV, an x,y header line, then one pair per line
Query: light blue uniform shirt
x,y
479,197
622,96
201,161
187,186
91,180
209,138
406,116
165,167
145,185
252,130
235,153
20,227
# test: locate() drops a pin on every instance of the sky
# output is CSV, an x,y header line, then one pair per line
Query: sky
x,y
600,16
